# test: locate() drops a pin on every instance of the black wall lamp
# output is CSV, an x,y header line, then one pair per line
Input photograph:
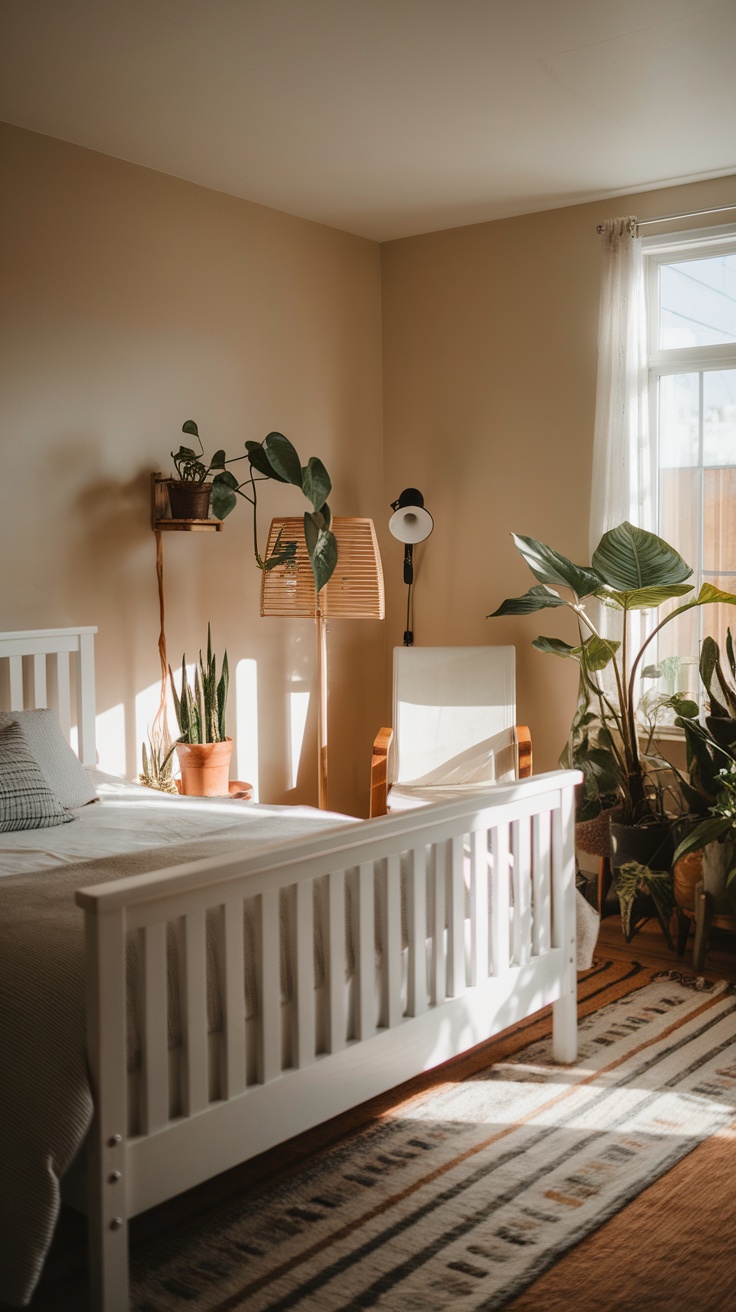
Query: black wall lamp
x,y
410,523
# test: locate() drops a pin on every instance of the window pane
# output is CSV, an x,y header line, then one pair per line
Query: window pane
x,y
719,523
679,491
698,302
719,417
679,426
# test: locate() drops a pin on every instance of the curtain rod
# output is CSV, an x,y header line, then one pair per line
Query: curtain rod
x,y
668,218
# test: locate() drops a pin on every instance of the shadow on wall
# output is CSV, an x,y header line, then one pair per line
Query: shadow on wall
x,y
112,583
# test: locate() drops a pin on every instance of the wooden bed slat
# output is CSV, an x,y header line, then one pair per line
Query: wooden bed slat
x,y
40,698
391,1010
456,929
232,984
438,874
365,965
479,908
195,1091
15,664
335,959
269,970
305,1037
154,1088
521,844
500,899
541,884
416,916
64,693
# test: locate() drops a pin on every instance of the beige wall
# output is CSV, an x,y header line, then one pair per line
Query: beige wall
x,y
490,347
132,301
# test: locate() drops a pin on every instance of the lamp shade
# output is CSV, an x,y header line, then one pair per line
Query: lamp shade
x,y
355,590
410,521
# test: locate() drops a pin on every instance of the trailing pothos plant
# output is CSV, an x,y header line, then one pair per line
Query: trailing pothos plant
x,y
273,458
631,570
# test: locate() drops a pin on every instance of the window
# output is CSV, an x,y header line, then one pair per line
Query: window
x,y
691,313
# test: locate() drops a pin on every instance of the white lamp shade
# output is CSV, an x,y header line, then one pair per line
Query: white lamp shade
x,y
411,524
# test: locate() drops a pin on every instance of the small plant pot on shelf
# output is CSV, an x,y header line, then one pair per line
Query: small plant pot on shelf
x,y
189,500
205,768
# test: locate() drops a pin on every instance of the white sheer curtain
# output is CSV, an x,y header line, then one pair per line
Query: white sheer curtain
x,y
622,481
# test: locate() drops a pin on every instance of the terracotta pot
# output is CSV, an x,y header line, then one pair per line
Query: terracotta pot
x,y
688,873
189,500
205,768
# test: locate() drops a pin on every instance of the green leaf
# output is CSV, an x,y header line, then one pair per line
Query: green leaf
x,y
629,559
322,550
595,654
708,831
189,426
683,706
550,567
647,598
316,484
281,557
261,463
555,646
708,593
537,598
599,652
283,458
218,460
223,497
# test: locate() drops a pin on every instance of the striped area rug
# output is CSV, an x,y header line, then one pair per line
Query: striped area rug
x,y
462,1195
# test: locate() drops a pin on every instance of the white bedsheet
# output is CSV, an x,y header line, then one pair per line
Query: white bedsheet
x,y
130,818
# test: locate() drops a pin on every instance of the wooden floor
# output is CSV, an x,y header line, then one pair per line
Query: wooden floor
x,y
649,948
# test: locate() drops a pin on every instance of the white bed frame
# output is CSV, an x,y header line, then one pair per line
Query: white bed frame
x,y
465,983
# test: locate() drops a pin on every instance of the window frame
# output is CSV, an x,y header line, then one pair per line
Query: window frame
x,y
678,247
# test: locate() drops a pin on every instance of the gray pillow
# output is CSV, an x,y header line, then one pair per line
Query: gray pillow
x,y
62,770
26,801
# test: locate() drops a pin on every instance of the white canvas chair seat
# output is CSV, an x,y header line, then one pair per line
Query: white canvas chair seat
x,y
454,726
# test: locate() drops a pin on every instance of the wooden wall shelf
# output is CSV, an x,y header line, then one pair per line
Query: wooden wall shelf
x,y
161,520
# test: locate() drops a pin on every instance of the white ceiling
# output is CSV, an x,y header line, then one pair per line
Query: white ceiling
x,y
385,117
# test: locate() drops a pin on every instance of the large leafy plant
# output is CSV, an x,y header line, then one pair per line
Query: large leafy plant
x,y
273,458
631,570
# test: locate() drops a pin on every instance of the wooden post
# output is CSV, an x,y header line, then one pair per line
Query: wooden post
x,y
321,710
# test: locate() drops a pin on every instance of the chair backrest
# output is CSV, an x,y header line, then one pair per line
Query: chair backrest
x,y
453,708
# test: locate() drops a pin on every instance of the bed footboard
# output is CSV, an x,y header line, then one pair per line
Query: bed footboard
x,y
452,922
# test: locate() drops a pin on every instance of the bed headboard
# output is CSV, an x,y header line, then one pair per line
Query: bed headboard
x,y
56,668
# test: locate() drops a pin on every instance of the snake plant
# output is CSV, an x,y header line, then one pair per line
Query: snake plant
x,y
200,710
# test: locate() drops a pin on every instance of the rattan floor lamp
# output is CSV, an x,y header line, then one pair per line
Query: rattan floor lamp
x,y
355,591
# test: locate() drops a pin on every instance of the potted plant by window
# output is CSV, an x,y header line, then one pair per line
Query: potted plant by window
x,y
631,570
707,853
203,748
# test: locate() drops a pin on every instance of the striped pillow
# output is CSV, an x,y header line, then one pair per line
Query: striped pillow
x,y
26,800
